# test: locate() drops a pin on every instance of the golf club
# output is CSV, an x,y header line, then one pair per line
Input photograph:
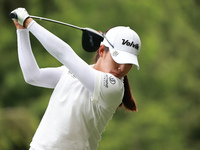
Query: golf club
x,y
91,39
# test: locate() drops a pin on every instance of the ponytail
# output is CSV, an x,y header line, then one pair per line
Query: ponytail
x,y
128,100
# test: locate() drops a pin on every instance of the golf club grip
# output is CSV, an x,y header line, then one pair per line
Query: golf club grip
x,y
13,15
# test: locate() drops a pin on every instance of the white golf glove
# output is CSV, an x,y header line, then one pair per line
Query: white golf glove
x,y
22,15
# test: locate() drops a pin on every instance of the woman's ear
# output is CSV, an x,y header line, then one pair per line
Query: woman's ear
x,y
101,50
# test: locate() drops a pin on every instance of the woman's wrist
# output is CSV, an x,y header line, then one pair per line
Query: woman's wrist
x,y
27,22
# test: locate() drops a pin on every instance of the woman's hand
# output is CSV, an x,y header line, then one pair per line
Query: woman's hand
x,y
26,23
22,18
18,26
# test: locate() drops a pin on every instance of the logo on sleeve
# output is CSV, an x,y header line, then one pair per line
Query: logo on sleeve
x,y
72,75
112,80
105,81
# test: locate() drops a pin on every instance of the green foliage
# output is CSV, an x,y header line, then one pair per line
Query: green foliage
x,y
166,87
17,128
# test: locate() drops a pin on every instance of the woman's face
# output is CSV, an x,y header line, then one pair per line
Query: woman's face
x,y
108,65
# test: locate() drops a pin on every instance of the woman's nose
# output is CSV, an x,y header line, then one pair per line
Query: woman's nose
x,y
125,67
121,67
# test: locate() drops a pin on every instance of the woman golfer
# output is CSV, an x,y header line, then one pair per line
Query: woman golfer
x,y
85,97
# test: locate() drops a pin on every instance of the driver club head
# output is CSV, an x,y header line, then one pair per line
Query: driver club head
x,y
91,39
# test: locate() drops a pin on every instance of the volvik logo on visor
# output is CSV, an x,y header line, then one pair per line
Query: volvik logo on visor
x,y
131,44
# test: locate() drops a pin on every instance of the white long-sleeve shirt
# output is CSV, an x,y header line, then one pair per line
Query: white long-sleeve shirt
x,y
83,100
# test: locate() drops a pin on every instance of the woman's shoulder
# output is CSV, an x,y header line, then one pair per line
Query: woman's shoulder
x,y
110,91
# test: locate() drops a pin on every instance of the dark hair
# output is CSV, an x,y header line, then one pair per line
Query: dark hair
x,y
128,100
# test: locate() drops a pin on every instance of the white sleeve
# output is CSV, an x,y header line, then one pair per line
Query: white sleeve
x,y
65,54
47,77
109,90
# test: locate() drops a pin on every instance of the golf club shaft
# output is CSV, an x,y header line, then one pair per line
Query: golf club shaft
x,y
55,21
13,15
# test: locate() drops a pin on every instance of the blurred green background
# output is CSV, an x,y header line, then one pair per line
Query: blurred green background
x,y
166,88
